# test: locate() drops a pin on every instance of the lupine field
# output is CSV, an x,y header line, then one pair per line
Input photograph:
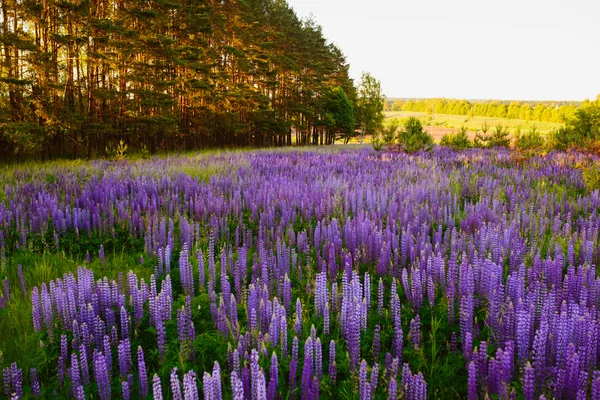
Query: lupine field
x,y
339,274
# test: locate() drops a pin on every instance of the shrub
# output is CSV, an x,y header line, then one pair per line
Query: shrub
x,y
482,138
413,137
500,137
458,141
531,142
389,132
591,177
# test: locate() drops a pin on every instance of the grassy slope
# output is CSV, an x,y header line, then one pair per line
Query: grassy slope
x,y
457,121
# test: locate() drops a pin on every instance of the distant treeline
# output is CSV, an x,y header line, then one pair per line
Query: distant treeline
x,y
552,111
78,76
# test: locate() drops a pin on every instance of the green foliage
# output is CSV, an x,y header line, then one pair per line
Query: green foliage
x,y
582,129
340,115
500,137
591,177
531,141
564,139
413,137
458,141
370,104
549,111
390,132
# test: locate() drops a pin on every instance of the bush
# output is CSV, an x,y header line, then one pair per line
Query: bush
x,y
500,137
591,177
388,133
531,142
413,137
458,141
582,132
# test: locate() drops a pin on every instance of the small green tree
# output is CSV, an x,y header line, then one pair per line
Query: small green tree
x,y
389,132
339,115
500,137
482,139
370,105
413,137
530,142
458,141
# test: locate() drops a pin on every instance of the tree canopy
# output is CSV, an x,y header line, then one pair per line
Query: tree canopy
x,y
78,76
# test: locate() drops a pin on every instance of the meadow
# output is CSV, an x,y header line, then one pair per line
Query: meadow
x,y
334,273
446,123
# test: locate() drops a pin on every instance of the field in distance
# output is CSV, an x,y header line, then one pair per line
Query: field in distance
x,y
446,123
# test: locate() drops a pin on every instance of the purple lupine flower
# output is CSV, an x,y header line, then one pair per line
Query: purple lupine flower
x,y
83,363
376,342
36,310
60,373
6,290
36,389
294,363
596,386
415,331
393,389
143,375
125,390
161,336
101,254
380,290
363,385
528,382
156,388
74,371
16,376
175,385
22,280
101,375
79,393
326,319
237,388
273,378
472,381
318,359
190,389
216,381
332,363
124,357
124,323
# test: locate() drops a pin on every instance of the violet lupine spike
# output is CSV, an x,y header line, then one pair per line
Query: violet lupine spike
x,y
175,385
190,389
36,389
318,349
156,388
125,390
237,387
294,364
216,381
528,382
472,382
101,375
22,282
273,378
392,390
332,363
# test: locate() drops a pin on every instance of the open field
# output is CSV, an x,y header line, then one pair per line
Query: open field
x,y
334,273
476,123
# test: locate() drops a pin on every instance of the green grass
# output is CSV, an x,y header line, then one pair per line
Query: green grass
x,y
475,123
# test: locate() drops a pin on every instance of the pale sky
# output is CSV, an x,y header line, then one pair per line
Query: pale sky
x,y
468,49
